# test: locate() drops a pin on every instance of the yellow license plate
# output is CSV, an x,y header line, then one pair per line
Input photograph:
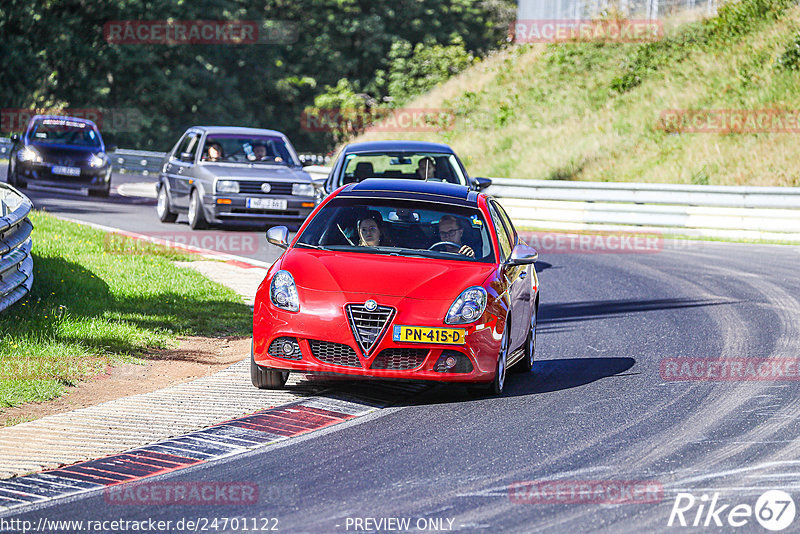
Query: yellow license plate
x,y
424,334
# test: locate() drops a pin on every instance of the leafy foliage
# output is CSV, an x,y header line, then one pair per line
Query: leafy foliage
x,y
735,19
55,56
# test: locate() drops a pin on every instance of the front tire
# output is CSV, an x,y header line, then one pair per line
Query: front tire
x,y
12,178
197,219
102,193
265,378
495,387
163,206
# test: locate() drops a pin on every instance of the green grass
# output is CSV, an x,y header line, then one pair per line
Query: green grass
x,y
99,299
592,111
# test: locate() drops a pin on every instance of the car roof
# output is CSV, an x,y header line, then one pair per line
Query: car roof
x,y
62,117
238,130
397,146
413,190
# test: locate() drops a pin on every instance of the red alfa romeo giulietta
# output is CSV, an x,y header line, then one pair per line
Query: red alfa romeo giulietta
x,y
400,279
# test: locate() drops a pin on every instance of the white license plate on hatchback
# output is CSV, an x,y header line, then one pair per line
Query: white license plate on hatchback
x,y
267,203
66,171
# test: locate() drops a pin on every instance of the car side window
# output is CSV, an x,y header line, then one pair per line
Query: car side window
x,y
187,144
512,232
502,235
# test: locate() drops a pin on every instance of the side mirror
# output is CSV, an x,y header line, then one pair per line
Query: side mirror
x,y
523,255
482,183
278,236
186,156
14,137
319,189
111,147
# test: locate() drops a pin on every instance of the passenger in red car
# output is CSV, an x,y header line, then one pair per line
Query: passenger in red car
x,y
371,231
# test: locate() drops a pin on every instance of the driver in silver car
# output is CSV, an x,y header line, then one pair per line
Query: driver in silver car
x,y
451,231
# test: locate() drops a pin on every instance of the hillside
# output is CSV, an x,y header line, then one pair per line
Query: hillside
x,y
593,111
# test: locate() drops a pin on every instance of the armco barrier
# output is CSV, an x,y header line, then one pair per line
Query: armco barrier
x,y
738,212
16,263
734,212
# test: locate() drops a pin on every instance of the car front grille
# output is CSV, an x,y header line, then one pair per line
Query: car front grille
x,y
368,326
254,188
400,359
334,353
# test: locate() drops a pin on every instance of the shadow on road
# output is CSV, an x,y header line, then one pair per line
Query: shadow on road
x,y
588,310
566,373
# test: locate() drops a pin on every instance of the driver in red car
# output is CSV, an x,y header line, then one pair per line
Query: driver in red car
x,y
451,230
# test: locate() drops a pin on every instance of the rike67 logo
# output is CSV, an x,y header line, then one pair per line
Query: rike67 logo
x,y
774,510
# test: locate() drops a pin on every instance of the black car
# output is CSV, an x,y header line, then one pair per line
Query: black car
x,y
60,152
415,160
222,174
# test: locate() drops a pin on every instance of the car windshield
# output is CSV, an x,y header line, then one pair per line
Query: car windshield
x,y
64,132
266,150
433,166
400,227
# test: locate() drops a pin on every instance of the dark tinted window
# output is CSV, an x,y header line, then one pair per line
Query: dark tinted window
x,y
502,234
64,132
400,227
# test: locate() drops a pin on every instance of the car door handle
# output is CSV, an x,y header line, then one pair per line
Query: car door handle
x,y
523,274
180,170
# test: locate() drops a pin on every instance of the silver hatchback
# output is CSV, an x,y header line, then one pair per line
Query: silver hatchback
x,y
229,175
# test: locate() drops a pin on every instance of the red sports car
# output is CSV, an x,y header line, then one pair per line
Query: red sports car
x,y
399,279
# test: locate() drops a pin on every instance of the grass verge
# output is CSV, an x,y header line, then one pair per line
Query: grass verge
x,y
97,300
595,111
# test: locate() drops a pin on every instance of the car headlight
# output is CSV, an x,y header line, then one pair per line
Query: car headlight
x,y
98,160
29,154
227,186
303,190
283,292
468,307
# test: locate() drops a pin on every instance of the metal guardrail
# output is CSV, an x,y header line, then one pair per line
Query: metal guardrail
x,y
145,162
739,212
736,212
16,263
137,161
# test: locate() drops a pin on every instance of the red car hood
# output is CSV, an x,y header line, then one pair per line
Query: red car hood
x,y
419,278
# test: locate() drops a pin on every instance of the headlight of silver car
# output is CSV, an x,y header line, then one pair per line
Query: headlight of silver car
x,y
227,186
303,190
283,292
468,307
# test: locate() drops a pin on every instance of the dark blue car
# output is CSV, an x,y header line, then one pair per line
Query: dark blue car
x,y
60,152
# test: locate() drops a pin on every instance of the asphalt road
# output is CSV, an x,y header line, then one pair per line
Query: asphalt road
x,y
595,408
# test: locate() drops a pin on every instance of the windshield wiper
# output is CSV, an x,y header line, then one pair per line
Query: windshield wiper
x,y
315,247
